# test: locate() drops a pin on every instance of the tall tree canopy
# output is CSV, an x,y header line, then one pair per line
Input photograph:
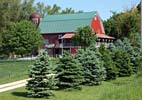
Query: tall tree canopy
x,y
13,11
53,9
67,11
123,24
21,38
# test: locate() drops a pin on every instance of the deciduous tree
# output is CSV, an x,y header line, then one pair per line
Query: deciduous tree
x,y
22,38
84,37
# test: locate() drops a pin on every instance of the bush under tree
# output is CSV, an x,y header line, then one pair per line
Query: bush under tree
x,y
40,83
69,73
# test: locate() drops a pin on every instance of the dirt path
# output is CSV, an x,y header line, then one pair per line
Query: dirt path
x,y
13,85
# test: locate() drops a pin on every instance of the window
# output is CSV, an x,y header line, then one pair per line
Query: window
x,y
46,41
59,36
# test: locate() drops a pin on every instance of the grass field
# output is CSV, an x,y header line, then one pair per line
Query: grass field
x,y
128,88
13,70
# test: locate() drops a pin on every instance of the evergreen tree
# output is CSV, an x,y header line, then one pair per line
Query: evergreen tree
x,y
79,54
40,83
111,70
69,73
111,47
93,48
139,63
122,62
93,69
133,52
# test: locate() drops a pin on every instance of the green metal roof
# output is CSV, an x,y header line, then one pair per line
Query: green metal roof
x,y
65,22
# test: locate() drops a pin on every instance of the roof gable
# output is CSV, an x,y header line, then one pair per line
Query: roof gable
x,y
65,22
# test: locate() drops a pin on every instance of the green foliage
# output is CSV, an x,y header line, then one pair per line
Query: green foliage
x,y
122,61
93,48
111,70
111,47
68,11
93,69
0,39
125,45
84,37
139,7
133,52
40,84
69,72
139,63
135,39
22,38
79,54
52,9
123,24
44,10
14,11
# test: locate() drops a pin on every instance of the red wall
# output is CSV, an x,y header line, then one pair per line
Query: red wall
x,y
52,38
73,50
96,25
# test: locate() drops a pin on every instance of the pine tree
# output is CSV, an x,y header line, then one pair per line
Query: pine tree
x,y
122,62
69,73
93,69
111,70
139,63
133,52
79,54
40,83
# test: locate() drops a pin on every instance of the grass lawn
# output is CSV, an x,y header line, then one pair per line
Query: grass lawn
x,y
128,88
13,70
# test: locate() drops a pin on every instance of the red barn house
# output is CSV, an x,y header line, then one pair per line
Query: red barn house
x,y
57,30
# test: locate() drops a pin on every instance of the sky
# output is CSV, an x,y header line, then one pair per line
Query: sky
x,y
104,7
